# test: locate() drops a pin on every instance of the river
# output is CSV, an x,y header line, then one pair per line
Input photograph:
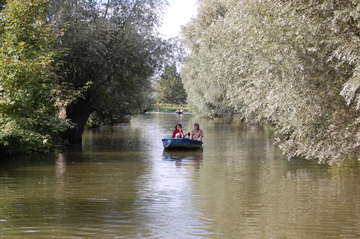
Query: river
x,y
122,185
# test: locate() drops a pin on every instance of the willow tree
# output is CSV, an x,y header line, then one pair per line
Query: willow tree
x,y
27,100
112,50
289,63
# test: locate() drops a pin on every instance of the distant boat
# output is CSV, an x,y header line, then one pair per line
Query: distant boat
x,y
179,111
171,143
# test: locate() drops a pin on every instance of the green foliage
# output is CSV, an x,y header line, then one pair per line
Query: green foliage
x,y
294,64
169,88
27,112
106,53
112,52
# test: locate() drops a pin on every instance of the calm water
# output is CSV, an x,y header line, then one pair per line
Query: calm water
x,y
122,185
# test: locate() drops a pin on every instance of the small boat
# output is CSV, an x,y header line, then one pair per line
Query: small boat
x,y
179,112
171,143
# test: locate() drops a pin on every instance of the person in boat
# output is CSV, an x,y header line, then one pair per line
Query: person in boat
x,y
197,133
179,111
178,132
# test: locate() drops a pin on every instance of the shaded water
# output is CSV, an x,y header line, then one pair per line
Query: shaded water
x,y
122,185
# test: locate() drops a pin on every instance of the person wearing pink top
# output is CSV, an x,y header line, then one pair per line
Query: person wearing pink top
x,y
197,133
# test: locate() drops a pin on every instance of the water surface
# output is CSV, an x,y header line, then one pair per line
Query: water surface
x,y
121,184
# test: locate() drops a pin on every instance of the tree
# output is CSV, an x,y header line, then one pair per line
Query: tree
x,y
169,88
112,52
63,60
27,101
293,64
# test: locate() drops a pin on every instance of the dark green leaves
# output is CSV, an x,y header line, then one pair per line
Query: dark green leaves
x,y
169,88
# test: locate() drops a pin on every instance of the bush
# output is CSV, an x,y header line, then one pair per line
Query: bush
x,y
28,119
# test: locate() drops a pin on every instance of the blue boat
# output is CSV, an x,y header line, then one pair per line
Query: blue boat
x,y
171,143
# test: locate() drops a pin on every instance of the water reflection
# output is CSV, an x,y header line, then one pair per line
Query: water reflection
x,y
121,184
184,157
179,117
60,169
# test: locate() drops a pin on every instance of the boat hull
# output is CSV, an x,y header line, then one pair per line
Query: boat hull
x,y
181,144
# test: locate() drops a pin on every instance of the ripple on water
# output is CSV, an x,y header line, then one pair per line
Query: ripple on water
x,y
122,185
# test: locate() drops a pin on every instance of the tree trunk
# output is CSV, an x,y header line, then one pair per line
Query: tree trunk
x,y
78,112
107,8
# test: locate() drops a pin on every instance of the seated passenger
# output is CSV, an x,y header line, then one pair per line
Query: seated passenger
x,y
178,132
197,133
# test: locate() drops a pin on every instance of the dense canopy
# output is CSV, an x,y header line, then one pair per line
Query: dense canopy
x,y
294,64
63,60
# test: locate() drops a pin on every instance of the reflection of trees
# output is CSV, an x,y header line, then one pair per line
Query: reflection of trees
x,y
120,138
243,190
249,191
60,169
73,194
